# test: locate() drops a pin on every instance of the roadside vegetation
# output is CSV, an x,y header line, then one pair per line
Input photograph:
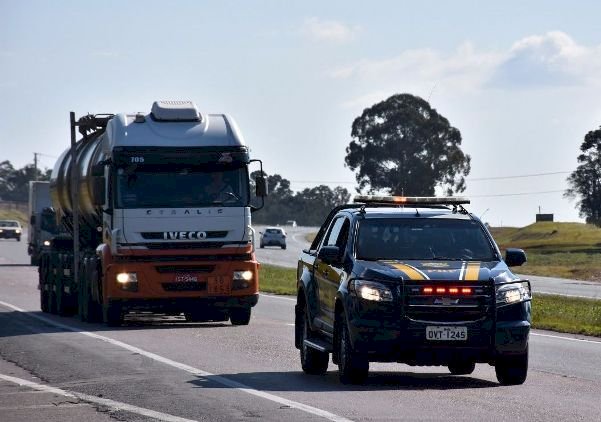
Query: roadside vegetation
x,y
13,215
556,313
567,250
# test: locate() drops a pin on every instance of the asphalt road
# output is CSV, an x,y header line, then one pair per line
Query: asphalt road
x,y
158,368
550,285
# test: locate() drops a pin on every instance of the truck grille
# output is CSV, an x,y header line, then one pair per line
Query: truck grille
x,y
185,286
433,307
160,235
166,269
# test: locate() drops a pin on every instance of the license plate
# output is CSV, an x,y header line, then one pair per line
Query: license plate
x,y
442,333
185,278
219,286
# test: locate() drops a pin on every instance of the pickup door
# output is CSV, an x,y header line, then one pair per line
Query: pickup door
x,y
329,275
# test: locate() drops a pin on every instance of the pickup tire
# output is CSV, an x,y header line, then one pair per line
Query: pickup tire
x,y
512,370
352,367
313,361
240,316
462,368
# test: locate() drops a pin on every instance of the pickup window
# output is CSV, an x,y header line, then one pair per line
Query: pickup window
x,y
423,239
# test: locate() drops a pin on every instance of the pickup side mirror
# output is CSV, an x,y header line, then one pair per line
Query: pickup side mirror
x,y
261,186
514,257
329,254
99,190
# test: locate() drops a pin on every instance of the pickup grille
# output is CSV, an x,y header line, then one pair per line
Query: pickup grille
x,y
420,306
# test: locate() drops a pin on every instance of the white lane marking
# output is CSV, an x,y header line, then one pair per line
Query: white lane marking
x,y
292,325
115,405
534,291
567,338
190,369
278,297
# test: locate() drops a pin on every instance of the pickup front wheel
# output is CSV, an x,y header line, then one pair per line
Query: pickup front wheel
x,y
313,361
352,367
512,370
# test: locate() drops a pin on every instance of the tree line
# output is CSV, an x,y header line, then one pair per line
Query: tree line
x,y
14,183
308,207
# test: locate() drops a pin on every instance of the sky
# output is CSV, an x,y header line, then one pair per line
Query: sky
x,y
520,80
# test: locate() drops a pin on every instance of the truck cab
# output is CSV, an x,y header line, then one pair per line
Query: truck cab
x,y
412,280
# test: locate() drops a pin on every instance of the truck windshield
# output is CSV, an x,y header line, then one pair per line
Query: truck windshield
x,y
423,239
198,187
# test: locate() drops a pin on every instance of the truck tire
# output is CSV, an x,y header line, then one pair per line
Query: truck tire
x,y
313,361
112,314
352,367
33,261
44,305
462,368
512,370
89,311
240,316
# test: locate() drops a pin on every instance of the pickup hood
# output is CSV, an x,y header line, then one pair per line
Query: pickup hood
x,y
434,270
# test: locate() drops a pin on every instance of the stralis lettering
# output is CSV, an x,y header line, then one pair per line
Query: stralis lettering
x,y
184,235
205,211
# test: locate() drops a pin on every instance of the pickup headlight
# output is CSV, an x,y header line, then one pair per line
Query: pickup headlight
x,y
18,231
513,293
371,290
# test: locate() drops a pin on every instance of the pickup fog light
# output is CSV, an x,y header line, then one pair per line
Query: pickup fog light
x,y
128,281
513,293
370,290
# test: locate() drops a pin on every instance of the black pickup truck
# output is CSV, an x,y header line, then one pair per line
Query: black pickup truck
x,y
412,280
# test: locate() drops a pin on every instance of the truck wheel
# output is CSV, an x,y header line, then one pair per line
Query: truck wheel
x,y
112,314
240,316
512,370
313,361
462,368
44,305
60,299
262,246
33,261
352,367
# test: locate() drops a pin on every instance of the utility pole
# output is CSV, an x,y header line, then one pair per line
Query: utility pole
x,y
35,165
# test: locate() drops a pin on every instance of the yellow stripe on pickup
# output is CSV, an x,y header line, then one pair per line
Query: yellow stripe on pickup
x,y
472,271
411,272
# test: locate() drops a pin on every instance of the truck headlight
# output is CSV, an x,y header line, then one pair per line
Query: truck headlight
x,y
128,281
46,243
243,275
371,290
513,293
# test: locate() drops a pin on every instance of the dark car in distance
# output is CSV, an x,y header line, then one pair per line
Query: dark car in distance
x,y
412,280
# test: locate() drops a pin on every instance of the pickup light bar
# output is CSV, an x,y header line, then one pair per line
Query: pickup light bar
x,y
411,200
447,290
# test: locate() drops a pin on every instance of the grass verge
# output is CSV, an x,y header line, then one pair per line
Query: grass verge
x,y
278,280
8,214
556,313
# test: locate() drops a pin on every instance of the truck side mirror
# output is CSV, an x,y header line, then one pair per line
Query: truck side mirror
x,y
97,170
32,220
99,190
514,257
261,186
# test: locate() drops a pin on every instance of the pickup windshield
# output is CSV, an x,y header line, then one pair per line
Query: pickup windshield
x,y
423,239
9,224
171,188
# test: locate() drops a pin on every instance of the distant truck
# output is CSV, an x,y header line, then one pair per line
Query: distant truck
x,y
417,280
160,219
41,220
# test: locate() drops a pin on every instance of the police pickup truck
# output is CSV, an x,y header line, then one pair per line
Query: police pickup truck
x,y
417,280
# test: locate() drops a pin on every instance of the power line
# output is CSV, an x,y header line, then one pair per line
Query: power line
x,y
476,179
516,194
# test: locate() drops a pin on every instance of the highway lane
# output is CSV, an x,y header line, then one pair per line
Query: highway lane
x,y
220,372
549,285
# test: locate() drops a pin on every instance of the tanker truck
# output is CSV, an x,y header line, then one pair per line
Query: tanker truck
x,y
155,215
